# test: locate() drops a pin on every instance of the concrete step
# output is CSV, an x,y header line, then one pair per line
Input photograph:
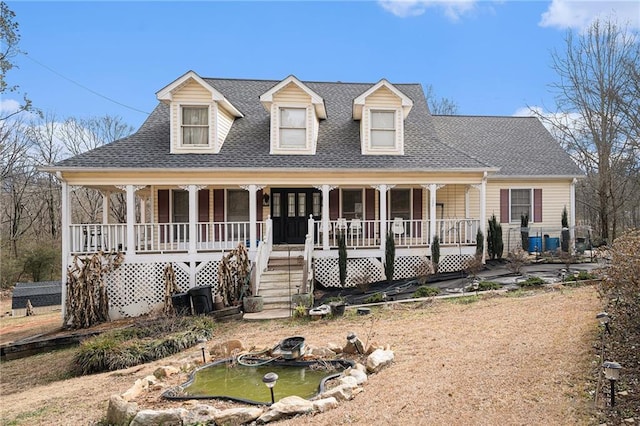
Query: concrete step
x,y
277,291
286,254
268,314
284,262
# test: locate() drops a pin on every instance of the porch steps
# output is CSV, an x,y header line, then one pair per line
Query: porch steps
x,y
276,286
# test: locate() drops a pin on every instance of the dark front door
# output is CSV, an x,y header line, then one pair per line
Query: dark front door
x,y
290,210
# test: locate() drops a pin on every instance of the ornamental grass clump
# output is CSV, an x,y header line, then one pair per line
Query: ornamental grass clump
x,y
147,342
425,291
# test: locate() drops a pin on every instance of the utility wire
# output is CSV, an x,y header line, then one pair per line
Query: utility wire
x,y
82,86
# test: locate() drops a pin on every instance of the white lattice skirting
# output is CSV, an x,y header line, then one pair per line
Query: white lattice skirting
x,y
327,272
136,289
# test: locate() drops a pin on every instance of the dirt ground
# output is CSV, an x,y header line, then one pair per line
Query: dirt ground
x,y
500,360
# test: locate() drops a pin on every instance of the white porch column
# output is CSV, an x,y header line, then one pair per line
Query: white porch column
x,y
106,195
325,216
193,219
382,189
253,216
572,212
131,219
483,213
432,211
143,209
65,214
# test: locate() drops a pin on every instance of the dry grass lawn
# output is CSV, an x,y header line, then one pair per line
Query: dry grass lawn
x,y
499,360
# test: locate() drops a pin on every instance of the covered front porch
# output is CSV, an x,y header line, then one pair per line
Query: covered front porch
x,y
193,226
204,219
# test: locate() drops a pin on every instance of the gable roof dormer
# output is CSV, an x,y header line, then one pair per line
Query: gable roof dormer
x,y
200,116
295,112
382,110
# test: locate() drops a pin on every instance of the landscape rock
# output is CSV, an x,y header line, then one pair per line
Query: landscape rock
x,y
238,416
340,393
134,391
372,347
120,412
378,360
200,414
325,404
165,371
334,347
359,375
350,381
289,406
171,417
322,352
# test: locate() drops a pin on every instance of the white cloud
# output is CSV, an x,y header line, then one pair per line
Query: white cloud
x,y
579,14
453,9
569,120
8,106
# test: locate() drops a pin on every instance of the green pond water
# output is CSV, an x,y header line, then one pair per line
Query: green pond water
x,y
242,382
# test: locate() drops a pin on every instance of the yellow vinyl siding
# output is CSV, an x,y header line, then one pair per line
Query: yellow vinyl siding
x,y
452,198
383,97
191,92
555,196
292,94
225,120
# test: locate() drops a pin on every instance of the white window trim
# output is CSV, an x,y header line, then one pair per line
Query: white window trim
x,y
212,133
306,128
531,206
276,148
398,147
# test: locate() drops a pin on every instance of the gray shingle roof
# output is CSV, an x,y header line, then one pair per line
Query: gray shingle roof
x,y
43,293
516,145
247,145
519,146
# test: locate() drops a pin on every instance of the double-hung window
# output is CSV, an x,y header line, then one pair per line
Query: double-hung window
x,y
195,126
293,127
520,204
383,129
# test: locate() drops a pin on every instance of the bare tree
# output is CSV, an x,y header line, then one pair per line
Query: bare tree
x,y
18,172
9,39
440,106
81,135
594,95
47,149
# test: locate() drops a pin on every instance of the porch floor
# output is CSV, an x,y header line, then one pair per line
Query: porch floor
x,y
267,314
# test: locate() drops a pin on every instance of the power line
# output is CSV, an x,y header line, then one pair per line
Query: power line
x,y
83,86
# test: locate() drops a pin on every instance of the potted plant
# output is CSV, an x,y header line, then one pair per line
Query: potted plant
x,y
252,303
338,305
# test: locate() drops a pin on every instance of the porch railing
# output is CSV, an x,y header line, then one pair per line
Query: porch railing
x,y
262,256
457,231
161,237
407,232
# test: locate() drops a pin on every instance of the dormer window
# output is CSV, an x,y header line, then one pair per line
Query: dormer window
x,y
195,126
382,110
293,127
383,129
295,112
200,116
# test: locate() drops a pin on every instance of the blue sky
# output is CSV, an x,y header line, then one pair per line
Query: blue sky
x,y
492,58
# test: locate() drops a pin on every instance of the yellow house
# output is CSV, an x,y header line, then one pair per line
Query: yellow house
x,y
284,166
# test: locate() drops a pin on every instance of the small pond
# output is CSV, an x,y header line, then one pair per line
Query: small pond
x,y
227,379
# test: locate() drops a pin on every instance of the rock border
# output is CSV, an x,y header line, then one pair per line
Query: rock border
x,y
123,410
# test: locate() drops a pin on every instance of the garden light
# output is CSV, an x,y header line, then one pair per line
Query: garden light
x,y
353,339
612,372
270,380
203,342
604,319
